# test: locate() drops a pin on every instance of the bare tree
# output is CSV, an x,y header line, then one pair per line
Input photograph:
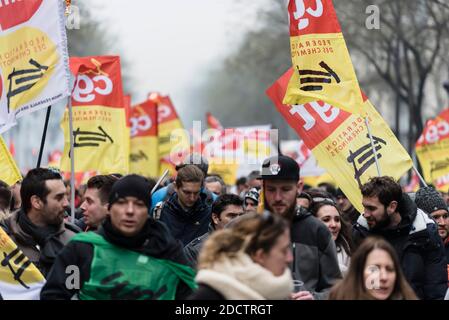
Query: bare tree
x,y
404,51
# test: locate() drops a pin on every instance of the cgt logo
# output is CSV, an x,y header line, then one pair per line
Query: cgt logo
x,y
140,124
86,88
163,112
15,12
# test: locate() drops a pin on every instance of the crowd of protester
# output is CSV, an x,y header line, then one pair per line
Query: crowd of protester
x,y
198,238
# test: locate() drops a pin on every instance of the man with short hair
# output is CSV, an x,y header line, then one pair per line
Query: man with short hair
x,y
314,252
391,214
226,208
131,257
164,193
38,228
187,212
429,200
215,184
96,197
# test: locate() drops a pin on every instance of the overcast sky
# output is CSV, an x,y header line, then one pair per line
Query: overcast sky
x,y
171,44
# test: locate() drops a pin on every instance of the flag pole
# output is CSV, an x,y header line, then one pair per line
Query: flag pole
x,y
44,135
159,181
373,147
72,163
419,175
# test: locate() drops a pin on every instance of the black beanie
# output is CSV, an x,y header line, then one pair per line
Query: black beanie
x,y
430,200
132,185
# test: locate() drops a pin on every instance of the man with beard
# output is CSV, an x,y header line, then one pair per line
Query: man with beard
x,y
314,253
429,200
38,228
391,214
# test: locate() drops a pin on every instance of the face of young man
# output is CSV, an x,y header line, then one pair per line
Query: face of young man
x,y
442,219
230,212
94,211
128,215
376,214
53,208
280,196
188,193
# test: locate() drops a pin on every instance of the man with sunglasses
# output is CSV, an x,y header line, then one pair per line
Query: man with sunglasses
x,y
314,254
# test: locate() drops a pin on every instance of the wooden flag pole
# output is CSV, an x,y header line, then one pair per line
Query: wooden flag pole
x,y
44,135
373,147
159,181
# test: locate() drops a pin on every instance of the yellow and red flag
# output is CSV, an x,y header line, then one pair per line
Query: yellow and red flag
x,y
174,141
34,71
340,142
144,153
322,64
432,149
101,136
19,278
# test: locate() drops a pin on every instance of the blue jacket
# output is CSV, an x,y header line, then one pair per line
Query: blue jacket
x,y
419,248
186,225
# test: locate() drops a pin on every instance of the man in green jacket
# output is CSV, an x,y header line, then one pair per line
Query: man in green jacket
x,y
131,257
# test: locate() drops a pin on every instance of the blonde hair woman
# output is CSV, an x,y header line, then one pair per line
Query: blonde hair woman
x,y
247,261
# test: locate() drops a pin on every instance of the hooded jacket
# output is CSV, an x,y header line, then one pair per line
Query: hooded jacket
x,y
186,225
28,244
160,245
314,254
419,248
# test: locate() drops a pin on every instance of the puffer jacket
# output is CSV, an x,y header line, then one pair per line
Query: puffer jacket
x,y
186,225
419,248
314,254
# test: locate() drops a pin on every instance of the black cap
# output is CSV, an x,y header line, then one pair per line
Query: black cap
x,y
131,185
280,168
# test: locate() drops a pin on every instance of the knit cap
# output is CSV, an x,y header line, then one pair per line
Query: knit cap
x,y
131,185
430,200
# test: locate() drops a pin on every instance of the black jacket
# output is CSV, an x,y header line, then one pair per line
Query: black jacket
x,y
80,254
419,248
314,254
186,225
192,250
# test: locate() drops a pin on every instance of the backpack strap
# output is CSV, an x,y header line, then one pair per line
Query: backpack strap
x,y
157,211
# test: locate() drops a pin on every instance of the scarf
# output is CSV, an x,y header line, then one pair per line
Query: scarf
x,y
240,278
154,240
46,237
